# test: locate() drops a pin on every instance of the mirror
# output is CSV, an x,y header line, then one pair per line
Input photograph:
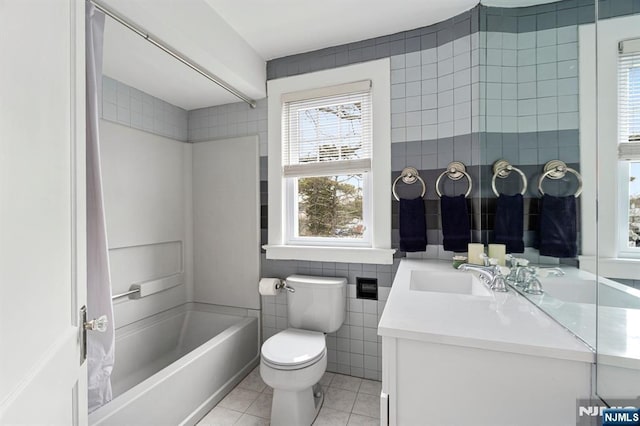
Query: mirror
x,y
618,227
531,110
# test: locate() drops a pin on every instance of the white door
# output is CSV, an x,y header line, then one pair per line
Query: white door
x,y
42,218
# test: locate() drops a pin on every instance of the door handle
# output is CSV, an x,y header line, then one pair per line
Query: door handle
x,y
97,324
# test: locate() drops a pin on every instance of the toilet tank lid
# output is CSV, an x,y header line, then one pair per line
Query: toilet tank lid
x,y
311,280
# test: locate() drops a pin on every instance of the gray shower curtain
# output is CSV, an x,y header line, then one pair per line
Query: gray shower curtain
x,y
100,346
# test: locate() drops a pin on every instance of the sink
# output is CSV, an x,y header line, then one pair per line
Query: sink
x,y
448,282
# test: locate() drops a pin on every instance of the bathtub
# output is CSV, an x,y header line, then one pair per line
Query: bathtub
x,y
173,367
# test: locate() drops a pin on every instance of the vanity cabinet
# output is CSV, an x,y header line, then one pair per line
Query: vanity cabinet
x,y
461,357
440,384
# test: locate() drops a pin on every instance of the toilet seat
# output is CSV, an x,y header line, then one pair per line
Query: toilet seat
x,y
293,349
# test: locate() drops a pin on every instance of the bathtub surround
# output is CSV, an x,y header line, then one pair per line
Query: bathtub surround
x,y
100,346
226,255
148,205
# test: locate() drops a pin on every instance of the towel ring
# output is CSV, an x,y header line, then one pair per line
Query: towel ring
x,y
556,169
409,176
503,169
455,171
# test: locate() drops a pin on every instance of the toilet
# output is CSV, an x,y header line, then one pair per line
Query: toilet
x,y
293,361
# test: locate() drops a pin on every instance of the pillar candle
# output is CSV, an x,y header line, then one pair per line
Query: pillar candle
x,y
498,252
474,252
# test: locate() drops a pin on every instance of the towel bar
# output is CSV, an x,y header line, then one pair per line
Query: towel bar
x,y
455,171
556,169
503,169
409,176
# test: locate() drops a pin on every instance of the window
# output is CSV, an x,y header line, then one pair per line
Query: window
x,y
629,144
326,161
329,165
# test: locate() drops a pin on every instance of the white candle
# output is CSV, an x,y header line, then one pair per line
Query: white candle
x,y
474,252
498,252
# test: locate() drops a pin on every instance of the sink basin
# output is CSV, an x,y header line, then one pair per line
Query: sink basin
x,y
448,282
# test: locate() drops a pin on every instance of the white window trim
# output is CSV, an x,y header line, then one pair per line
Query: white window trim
x,y
602,239
380,251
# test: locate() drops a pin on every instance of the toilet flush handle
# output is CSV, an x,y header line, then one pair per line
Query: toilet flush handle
x,y
283,284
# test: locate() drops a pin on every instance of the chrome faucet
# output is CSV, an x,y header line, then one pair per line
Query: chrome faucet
x,y
532,284
491,275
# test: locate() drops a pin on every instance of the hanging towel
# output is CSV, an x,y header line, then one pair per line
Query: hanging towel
x,y
558,228
413,227
456,231
508,228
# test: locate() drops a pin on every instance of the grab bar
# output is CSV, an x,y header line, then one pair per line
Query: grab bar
x,y
455,171
502,169
148,288
125,294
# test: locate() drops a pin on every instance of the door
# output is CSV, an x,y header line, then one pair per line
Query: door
x,y
42,212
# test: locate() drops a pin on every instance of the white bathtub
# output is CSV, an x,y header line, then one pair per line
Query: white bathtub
x,y
173,367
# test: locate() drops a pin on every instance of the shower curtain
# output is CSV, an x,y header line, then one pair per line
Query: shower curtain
x,y
100,346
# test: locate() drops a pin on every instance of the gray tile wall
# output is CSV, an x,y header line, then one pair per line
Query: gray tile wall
x,y
538,17
440,81
530,80
230,120
131,107
380,47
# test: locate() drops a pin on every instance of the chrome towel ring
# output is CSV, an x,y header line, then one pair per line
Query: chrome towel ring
x,y
409,176
556,169
502,169
455,171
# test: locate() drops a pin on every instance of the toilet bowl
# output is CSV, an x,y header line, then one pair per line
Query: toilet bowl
x,y
293,361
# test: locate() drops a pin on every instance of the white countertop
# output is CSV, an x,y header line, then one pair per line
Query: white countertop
x,y
500,321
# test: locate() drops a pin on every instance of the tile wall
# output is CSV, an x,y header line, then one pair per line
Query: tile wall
x,y
133,108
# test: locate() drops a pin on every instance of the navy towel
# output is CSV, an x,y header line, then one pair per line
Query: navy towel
x,y
558,228
508,228
456,231
413,227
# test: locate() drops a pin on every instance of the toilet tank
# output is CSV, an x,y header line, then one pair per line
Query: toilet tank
x,y
318,303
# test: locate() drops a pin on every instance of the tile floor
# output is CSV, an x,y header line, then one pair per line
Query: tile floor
x,y
347,401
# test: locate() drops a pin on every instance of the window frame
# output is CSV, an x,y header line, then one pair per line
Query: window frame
x,y
379,248
624,251
602,194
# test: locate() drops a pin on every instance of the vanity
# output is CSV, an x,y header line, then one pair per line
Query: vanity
x,y
455,352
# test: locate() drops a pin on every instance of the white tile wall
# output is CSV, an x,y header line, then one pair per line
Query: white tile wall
x,y
539,69
133,108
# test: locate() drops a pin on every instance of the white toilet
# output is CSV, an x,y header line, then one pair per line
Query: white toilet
x,y
294,360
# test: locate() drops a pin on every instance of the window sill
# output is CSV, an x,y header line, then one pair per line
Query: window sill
x,y
612,267
330,254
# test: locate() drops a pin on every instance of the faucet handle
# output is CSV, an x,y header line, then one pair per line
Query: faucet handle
x,y
499,283
533,286
485,259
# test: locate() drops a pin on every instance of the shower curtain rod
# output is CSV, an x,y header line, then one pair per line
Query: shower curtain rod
x,y
175,54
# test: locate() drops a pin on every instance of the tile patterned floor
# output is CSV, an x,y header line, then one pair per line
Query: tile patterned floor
x,y
348,401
